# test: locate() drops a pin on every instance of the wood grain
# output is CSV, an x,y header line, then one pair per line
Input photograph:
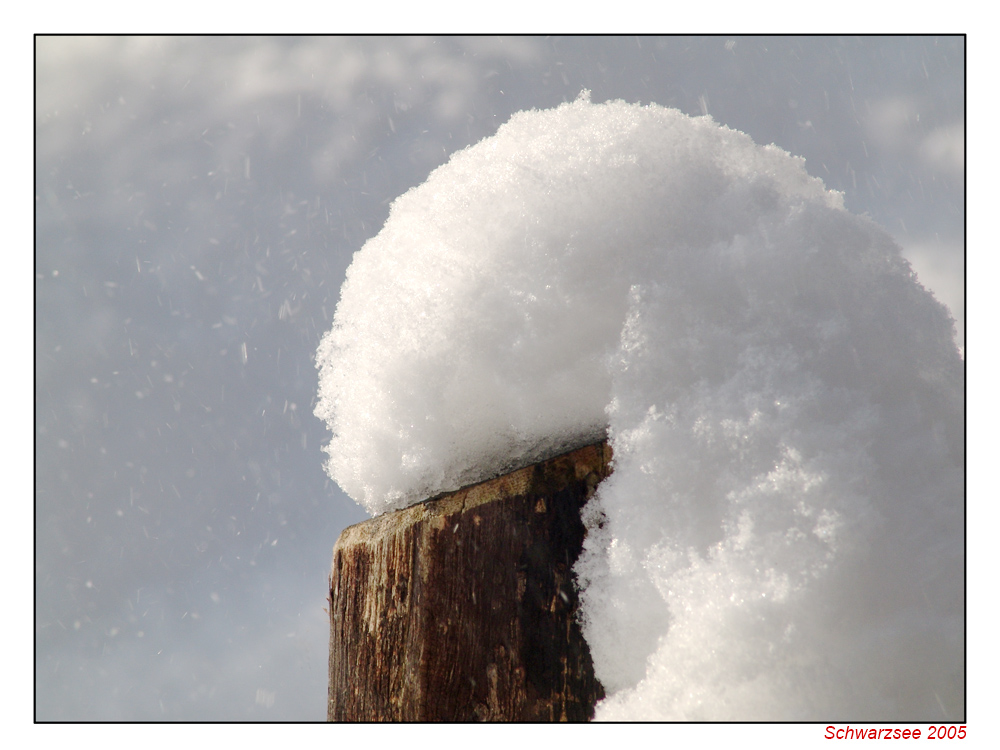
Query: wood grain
x,y
462,608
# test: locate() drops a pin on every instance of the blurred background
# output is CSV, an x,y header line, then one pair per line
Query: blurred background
x,y
198,201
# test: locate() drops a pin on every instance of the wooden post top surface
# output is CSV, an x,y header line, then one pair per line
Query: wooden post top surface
x,y
462,607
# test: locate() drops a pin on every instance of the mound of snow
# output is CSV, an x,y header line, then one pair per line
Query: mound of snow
x,y
782,535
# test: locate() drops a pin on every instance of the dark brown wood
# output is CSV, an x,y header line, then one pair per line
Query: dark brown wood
x,y
462,608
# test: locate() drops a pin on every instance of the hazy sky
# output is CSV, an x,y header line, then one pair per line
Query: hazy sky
x,y
197,203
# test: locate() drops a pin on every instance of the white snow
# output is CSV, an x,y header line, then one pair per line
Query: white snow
x,y
782,537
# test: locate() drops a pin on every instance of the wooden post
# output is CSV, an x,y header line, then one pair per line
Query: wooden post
x,y
462,608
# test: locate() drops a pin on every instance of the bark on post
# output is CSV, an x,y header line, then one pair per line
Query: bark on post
x,y
462,608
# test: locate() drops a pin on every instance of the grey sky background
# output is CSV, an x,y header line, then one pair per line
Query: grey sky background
x,y
198,201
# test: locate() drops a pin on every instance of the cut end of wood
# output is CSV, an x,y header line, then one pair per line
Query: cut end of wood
x,y
463,608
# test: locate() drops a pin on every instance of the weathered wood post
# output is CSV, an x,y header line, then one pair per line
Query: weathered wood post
x,y
462,607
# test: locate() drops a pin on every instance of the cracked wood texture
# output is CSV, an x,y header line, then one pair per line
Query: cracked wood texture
x,y
462,608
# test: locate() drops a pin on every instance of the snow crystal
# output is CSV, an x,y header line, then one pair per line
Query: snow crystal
x,y
782,534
